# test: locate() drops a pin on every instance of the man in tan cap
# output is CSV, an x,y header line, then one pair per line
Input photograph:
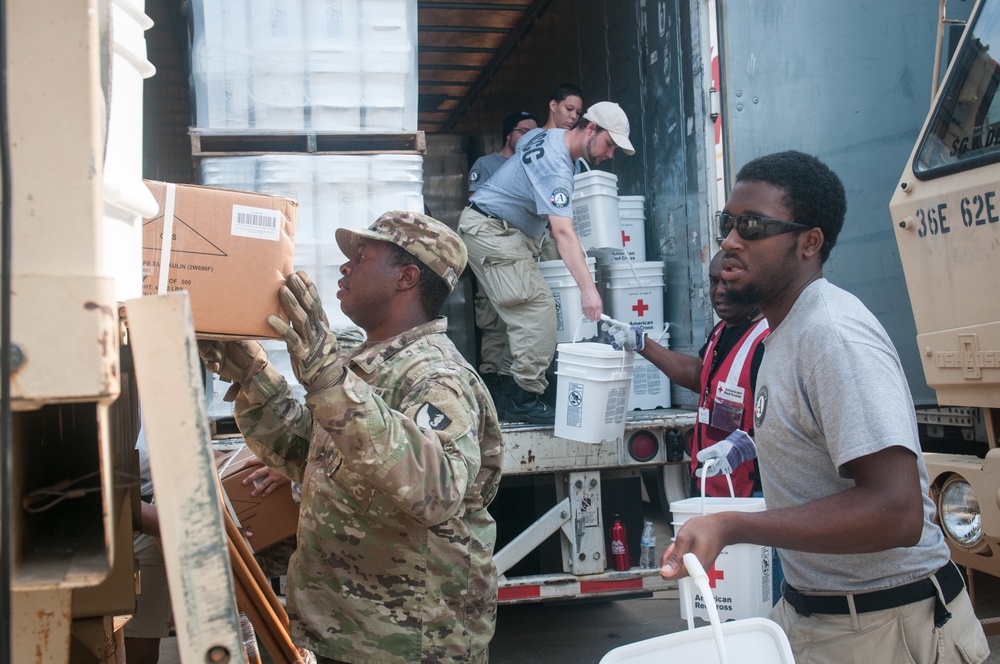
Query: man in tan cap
x,y
507,228
398,449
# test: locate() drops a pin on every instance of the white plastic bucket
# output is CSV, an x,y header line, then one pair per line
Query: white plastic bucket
x,y
591,391
633,293
742,572
595,210
650,387
632,213
571,325
747,641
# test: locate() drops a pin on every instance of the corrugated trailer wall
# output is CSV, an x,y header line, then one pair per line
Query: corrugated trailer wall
x,y
849,82
638,54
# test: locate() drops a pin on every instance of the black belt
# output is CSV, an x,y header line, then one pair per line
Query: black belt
x,y
948,576
482,211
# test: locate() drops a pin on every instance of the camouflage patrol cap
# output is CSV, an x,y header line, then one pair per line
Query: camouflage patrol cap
x,y
426,239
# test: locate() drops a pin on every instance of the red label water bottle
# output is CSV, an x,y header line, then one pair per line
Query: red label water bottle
x,y
619,547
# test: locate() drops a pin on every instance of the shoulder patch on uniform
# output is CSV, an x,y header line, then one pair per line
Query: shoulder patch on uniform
x,y
473,176
560,197
760,407
429,417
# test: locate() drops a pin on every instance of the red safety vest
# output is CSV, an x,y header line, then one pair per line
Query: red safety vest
x,y
733,371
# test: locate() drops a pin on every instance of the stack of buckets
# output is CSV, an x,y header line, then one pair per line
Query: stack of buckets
x,y
632,290
571,324
613,229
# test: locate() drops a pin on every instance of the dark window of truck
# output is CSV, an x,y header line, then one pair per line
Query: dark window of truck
x,y
964,131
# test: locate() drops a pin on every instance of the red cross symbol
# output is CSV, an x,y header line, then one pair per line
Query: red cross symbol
x,y
640,308
625,238
714,575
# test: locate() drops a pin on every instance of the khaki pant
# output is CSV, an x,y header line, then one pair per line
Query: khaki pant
x,y
503,260
495,354
903,634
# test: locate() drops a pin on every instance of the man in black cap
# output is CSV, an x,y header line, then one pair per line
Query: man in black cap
x,y
515,126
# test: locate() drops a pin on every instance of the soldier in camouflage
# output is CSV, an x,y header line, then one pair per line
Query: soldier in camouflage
x,y
398,449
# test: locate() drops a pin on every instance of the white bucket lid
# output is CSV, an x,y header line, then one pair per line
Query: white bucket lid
x,y
594,177
717,504
632,200
587,352
626,267
559,264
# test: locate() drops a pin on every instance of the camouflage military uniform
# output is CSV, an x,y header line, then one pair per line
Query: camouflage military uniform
x,y
398,461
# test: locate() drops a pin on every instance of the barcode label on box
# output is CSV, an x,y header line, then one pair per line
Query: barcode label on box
x,y
259,223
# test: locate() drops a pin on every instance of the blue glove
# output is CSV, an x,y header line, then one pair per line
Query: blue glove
x,y
729,453
620,336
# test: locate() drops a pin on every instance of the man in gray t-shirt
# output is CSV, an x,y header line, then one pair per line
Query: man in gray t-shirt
x,y
867,572
505,227
515,126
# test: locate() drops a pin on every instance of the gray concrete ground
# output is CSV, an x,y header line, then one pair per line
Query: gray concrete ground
x,y
583,633
577,634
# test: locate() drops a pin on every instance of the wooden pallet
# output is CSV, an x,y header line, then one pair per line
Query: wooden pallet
x,y
236,144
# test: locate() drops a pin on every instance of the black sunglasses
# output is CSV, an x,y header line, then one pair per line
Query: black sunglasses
x,y
754,226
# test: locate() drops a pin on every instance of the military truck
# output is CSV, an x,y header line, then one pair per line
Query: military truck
x,y
947,221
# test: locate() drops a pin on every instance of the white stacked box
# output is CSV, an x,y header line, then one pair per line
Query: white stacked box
x,y
305,65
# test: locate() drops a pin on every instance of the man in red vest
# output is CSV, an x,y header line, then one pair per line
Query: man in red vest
x,y
724,374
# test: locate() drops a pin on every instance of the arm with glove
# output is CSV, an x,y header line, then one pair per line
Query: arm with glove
x,y
275,426
426,471
728,453
684,370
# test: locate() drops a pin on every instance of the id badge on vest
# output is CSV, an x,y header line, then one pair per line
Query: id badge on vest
x,y
727,409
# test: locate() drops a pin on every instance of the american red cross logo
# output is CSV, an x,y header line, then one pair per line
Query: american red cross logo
x,y
640,308
714,575
625,238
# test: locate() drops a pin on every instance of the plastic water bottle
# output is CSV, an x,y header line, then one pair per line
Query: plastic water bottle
x,y
647,548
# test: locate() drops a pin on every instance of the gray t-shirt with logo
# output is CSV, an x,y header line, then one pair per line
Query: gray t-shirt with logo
x,y
484,168
533,184
830,390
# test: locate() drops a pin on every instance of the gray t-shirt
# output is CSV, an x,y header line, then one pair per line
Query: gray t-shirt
x,y
831,389
536,182
484,167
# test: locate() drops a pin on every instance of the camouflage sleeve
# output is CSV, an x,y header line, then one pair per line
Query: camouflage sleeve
x,y
274,425
424,457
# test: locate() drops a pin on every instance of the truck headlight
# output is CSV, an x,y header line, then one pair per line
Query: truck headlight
x,y
959,512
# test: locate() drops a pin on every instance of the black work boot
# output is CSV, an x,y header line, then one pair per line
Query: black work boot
x,y
525,406
498,386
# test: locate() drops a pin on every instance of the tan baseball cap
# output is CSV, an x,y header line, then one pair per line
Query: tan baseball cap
x,y
610,116
426,239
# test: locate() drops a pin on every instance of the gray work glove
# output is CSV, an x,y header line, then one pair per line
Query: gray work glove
x,y
312,346
620,336
736,448
234,361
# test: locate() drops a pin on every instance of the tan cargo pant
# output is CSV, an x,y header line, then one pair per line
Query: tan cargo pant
x,y
503,260
903,634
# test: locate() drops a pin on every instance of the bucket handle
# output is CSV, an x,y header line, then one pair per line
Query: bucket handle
x,y
704,474
583,162
698,576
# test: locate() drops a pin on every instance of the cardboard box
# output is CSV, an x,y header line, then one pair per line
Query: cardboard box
x,y
231,251
270,519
